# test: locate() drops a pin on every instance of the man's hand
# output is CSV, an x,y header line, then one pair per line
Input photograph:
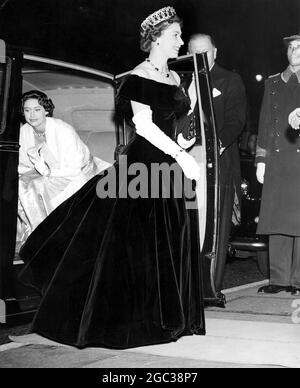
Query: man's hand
x,y
260,172
294,118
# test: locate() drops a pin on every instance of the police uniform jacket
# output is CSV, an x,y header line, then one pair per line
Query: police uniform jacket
x,y
278,146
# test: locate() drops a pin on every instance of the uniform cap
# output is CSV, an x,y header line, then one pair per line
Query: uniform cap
x,y
288,39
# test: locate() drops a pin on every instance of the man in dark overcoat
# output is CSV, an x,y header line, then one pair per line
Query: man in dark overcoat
x,y
229,101
278,169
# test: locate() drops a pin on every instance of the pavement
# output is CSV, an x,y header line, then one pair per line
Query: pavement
x,y
253,331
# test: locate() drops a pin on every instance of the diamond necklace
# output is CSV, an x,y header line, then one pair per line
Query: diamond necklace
x,y
164,73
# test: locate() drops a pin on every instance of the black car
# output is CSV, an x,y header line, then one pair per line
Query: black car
x,y
244,241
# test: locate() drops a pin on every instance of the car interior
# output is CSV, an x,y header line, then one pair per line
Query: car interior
x,y
84,101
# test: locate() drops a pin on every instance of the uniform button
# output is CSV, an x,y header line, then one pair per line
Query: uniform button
x,y
276,120
298,150
273,93
275,106
277,150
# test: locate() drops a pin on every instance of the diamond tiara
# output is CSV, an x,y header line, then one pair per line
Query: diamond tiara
x,y
158,16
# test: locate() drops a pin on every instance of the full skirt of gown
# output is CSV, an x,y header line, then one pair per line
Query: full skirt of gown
x,y
117,272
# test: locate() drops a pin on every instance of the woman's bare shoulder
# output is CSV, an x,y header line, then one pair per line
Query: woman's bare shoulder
x,y
141,70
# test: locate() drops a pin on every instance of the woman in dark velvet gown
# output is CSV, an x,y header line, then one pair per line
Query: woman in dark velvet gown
x,y
120,271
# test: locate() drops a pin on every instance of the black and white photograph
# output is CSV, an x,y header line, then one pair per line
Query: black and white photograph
x,y
149,187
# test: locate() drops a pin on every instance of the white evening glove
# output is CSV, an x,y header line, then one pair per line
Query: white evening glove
x,y
260,172
189,166
64,172
148,130
184,143
294,118
41,167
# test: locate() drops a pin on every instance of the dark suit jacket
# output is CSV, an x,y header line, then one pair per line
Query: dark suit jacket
x,y
229,101
230,112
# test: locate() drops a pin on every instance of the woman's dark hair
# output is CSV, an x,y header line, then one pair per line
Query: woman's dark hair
x,y
42,98
151,33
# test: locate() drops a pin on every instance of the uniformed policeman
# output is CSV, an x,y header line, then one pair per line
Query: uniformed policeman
x,y
278,169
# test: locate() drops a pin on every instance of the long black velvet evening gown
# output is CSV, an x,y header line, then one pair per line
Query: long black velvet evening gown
x,y
120,272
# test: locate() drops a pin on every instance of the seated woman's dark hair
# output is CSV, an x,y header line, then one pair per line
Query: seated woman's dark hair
x,y
151,33
42,98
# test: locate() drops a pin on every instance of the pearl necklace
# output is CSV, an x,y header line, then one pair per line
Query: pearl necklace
x,y
42,134
164,73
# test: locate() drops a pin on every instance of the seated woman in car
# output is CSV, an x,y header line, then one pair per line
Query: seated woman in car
x,y
53,163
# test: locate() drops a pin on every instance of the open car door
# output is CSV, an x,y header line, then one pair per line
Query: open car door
x,y
206,152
